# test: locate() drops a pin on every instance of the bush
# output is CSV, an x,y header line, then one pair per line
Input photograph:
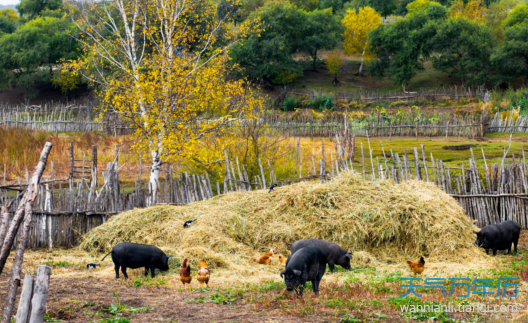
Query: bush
x,y
290,103
322,102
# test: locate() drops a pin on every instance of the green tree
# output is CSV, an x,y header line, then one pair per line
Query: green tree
x,y
463,49
28,55
6,26
321,31
32,8
229,8
510,58
336,5
250,6
306,5
496,15
384,7
400,48
268,55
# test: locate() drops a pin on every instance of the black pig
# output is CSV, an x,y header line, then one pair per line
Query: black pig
x,y
307,264
134,255
499,236
334,254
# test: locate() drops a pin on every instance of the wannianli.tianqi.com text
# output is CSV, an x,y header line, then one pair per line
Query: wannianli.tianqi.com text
x,y
459,308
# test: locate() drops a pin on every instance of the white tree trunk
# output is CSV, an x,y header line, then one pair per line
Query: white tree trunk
x,y
154,177
362,62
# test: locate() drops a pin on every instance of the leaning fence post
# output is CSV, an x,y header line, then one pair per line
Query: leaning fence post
x,y
38,303
28,197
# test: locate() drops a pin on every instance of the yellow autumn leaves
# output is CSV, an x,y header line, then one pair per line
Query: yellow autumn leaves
x,y
163,69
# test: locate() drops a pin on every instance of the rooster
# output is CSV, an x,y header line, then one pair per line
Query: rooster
x,y
417,267
265,259
283,261
203,274
185,273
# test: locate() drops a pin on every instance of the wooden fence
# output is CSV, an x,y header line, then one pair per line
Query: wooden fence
x,y
82,119
65,209
452,92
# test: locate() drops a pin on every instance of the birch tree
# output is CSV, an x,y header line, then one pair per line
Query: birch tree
x,y
357,26
160,65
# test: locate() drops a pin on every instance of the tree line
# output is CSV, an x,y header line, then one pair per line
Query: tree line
x,y
477,41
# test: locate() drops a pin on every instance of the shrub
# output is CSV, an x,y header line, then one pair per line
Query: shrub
x,y
290,103
322,102
341,104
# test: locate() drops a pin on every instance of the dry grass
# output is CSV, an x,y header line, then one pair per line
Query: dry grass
x,y
381,222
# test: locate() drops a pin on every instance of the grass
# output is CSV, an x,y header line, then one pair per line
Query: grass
x,y
322,79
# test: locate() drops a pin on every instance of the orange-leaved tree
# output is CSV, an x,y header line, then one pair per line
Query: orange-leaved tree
x,y
474,10
357,26
161,65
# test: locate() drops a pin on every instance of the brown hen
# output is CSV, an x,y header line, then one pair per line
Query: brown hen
x,y
417,267
185,273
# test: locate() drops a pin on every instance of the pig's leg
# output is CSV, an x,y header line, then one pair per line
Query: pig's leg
x,y
515,241
494,251
301,288
315,285
153,271
123,270
509,249
487,251
116,267
331,266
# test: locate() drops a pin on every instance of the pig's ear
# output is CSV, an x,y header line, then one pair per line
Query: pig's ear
x,y
348,255
169,256
297,272
475,232
282,273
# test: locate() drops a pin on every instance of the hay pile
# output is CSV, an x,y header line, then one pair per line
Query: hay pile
x,y
387,222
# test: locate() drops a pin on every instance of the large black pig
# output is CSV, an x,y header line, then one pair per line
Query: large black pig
x,y
307,264
134,255
335,255
499,236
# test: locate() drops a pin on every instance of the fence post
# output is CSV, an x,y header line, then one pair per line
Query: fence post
x,y
38,304
24,306
71,161
484,121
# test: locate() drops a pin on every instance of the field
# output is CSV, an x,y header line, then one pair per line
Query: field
x,y
21,149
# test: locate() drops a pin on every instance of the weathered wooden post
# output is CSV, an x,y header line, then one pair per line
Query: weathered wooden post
x,y
484,121
71,161
38,303
93,167
24,305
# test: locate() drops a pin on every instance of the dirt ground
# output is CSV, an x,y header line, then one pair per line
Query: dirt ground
x,y
80,295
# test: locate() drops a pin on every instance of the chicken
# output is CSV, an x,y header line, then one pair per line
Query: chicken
x,y
203,274
417,267
283,261
185,273
265,259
